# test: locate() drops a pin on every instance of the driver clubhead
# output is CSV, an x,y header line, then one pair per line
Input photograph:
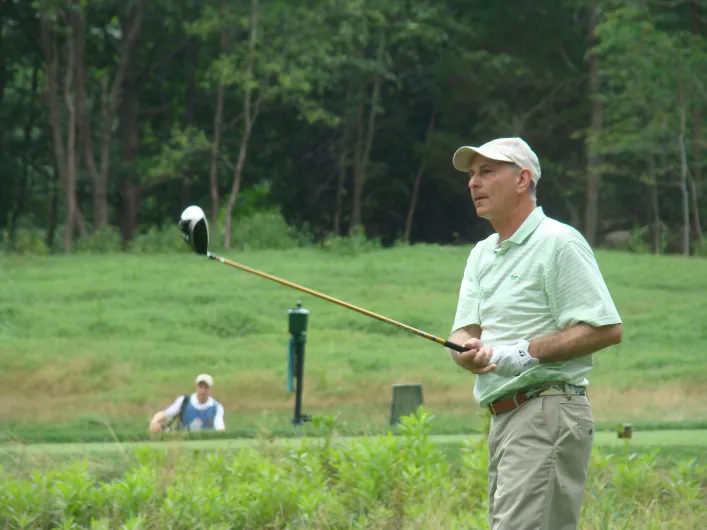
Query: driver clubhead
x,y
195,229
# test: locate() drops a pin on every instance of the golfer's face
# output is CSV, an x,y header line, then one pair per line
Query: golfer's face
x,y
203,390
492,186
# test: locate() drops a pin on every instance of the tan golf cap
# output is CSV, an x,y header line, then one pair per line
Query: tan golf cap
x,y
205,378
514,150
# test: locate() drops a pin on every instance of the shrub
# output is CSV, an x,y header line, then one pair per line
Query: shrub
x,y
262,231
352,244
104,240
157,240
378,482
27,241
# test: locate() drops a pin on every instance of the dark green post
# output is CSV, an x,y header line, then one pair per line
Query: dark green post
x,y
298,337
406,400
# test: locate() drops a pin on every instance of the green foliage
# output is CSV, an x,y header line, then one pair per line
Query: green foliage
x,y
267,230
175,153
352,244
104,240
314,65
27,241
403,481
164,239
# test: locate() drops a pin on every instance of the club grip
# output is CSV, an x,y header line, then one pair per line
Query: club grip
x,y
455,347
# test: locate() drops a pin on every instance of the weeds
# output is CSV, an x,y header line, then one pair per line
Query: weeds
x,y
389,481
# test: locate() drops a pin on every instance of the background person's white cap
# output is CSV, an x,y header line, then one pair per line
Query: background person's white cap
x,y
502,149
205,378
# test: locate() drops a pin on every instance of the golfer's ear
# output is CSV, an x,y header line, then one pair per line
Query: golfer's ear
x,y
524,179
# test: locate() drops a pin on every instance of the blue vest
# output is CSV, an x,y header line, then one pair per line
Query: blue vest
x,y
195,419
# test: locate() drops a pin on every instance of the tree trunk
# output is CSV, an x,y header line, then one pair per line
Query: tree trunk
x,y
360,176
418,177
71,162
695,204
83,120
110,102
591,210
341,182
80,220
358,157
53,207
130,144
216,148
248,120
26,157
696,179
190,106
51,55
683,181
343,162
655,206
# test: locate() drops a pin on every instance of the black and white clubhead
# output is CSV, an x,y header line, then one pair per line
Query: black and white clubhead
x,y
195,229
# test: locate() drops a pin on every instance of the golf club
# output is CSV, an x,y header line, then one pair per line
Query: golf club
x,y
195,231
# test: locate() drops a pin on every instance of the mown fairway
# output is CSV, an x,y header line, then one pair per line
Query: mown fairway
x,y
93,340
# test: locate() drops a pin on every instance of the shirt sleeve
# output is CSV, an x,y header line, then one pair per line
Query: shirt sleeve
x,y
218,419
576,289
469,295
171,411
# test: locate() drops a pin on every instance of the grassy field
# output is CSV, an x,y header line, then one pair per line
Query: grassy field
x,y
98,343
683,443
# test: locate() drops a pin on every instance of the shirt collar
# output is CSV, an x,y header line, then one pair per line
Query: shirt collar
x,y
524,230
195,401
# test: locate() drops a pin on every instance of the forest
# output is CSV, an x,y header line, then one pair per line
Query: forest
x,y
340,118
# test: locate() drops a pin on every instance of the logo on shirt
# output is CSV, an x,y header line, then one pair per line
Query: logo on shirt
x,y
514,276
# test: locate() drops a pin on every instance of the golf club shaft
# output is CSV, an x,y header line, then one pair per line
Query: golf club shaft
x,y
421,333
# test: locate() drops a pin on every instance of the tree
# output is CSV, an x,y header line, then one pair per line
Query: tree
x,y
279,56
641,114
111,93
55,22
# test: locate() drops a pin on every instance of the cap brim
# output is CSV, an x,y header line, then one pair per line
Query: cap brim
x,y
464,155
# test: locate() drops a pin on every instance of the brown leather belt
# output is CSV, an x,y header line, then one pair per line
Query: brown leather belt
x,y
551,389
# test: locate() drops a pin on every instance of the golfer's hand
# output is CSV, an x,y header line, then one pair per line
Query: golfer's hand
x,y
512,360
476,358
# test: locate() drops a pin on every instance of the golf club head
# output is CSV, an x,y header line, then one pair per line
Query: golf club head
x,y
195,229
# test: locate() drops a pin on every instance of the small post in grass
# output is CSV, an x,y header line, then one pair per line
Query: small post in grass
x,y
298,337
406,400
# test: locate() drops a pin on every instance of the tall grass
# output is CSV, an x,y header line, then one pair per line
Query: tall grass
x,y
380,482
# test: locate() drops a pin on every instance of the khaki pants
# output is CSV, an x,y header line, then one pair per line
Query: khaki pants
x,y
538,463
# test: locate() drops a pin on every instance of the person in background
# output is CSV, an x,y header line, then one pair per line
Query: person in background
x,y
192,412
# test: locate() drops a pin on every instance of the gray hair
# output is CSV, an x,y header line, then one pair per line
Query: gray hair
x,y
531,186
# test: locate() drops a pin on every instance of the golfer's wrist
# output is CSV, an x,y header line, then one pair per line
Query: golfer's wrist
x,y
535,350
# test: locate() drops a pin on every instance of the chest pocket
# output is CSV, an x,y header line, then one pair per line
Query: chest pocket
x,y
513,285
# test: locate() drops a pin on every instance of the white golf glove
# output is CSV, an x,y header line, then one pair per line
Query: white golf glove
x,y
512,359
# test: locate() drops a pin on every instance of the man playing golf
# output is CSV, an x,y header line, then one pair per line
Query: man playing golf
x,y
195,412
532,309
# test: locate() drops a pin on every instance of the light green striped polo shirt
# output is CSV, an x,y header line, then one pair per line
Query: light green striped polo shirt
x,y
542,280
